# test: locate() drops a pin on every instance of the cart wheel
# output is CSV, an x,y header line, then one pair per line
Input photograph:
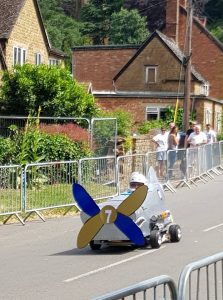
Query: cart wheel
x,y
155,239
95,246
175,233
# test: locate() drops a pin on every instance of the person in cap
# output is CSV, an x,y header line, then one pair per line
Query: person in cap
x,y
136,180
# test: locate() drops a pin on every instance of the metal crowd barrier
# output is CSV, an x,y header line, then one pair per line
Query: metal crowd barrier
x,y
161,287
98,176
10,191
48,185
126,165
202,279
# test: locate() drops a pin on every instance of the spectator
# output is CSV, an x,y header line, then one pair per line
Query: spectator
x,y
171,125
197,138
172,145
188,132
211,134
161,142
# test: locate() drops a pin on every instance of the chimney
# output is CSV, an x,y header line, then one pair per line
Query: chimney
x,y
172,19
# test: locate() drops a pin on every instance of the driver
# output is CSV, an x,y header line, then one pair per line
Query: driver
x,y
136,180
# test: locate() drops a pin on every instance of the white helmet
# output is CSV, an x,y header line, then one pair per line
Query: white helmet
x,y
138,177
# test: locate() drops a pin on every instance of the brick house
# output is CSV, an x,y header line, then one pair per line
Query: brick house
x,y
23,37
145,79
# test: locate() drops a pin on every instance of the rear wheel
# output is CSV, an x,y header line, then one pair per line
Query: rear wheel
x,y
175,233
155,239
95,246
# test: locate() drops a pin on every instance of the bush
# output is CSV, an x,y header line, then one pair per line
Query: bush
x,y
73,131
31,145
146,126
58,147
220,137
7,151
50,87
124,121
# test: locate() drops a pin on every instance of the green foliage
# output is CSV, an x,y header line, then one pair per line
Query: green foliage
x,y
64,31
146,126
214,10
7,151
124,121
217,30
47,147
127,27
30,142
169,116
96,16
59,147
220,137
127,144
50,87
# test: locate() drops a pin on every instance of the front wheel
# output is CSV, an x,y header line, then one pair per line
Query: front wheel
x,y
155,239
175,233
95,246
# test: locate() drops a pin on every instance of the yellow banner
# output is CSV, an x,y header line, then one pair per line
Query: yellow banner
x,y
176,109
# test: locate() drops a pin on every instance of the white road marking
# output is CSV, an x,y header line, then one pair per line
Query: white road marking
x,y
111,265
213,227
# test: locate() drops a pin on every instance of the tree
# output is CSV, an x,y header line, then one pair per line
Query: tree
x,y
64,31
96,15
127,27
28,87
217,30
214,10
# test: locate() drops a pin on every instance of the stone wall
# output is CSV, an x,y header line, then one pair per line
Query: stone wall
x,y
143,143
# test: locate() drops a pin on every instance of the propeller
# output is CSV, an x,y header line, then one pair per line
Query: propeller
x,y
108,215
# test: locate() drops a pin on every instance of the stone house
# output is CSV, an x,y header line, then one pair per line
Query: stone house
x,y
23,38
145,79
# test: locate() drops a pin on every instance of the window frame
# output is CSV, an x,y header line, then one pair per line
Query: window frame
x,y
208,116
218,121
147,69
54,62
154,110
19,55
38,58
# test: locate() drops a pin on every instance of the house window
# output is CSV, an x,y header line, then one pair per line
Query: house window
x,y
38,58
19,56
155,113
54,62
218,121
205,89
208,114
150,74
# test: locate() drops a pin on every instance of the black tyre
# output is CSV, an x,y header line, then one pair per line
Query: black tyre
x,y
155,239
175,233
95,246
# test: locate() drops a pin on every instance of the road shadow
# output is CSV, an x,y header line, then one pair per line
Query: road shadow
x,y
106,250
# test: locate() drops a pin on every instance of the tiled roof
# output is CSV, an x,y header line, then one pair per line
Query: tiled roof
x,y
176,50
173,48
9,11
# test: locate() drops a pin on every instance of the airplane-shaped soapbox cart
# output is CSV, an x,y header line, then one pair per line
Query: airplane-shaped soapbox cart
x,y
139,218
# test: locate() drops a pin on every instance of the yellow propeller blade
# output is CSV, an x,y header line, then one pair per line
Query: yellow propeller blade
x,y
134,201
89,230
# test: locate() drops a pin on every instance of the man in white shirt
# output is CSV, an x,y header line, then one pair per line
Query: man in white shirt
x,y
197,138
161,141
211,134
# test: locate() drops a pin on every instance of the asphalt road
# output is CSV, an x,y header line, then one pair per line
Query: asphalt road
x,y
40,260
